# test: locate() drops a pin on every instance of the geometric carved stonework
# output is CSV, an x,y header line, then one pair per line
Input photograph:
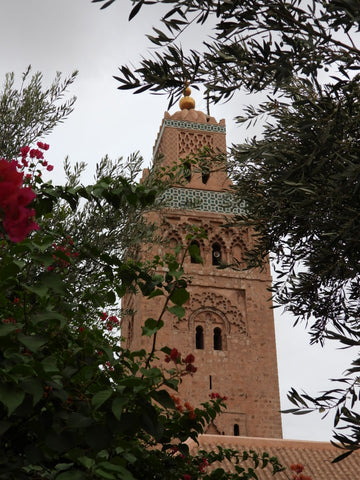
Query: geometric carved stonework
x,y
221,305
193,142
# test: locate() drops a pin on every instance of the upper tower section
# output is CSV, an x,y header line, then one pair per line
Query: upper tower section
x,y
188,134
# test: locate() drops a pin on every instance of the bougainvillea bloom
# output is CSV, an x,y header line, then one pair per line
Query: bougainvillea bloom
x,y
43,146
175,355
215,396
190,368
24,151
190,358
18,219
297,467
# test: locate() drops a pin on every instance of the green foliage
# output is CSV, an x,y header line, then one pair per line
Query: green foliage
x,y
107,222
254,45
29,112
73,402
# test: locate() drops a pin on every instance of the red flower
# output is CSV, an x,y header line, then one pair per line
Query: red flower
x,y
203,465
190,368
9,176
177,400
215,396
190,358
24,151
18,220
297,467
187,476
175,355
114,320
43,146
49,168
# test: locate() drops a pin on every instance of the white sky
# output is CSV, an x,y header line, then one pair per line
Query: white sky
x,y
68,35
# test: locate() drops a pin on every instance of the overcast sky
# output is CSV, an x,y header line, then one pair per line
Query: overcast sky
x,y
68,35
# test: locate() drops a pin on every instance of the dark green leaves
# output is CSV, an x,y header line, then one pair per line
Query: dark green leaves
x,y
179,296
101,397
151,326
11,396
32,342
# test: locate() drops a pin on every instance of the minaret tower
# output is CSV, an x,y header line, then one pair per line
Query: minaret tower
x,y
229,324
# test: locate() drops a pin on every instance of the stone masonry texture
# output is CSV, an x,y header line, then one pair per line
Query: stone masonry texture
x,y
239,359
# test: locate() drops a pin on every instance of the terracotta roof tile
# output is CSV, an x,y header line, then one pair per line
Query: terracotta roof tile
x,y
315,456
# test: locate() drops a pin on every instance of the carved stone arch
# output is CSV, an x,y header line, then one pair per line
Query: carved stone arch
x,y
198,241
238,240
206,225
218,239
209,301
173,234
218,318
170,237
237,249
219,253
183,227
215,328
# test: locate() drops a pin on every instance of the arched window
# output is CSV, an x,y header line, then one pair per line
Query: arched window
x,y
187,171
199,337
216,254
236,430
194,252
173,243
217,339
205,177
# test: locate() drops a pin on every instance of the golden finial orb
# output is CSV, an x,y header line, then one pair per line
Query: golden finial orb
x,y
187,102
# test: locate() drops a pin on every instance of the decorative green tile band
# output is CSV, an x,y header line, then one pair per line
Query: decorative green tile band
x,y
203,200
205,127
